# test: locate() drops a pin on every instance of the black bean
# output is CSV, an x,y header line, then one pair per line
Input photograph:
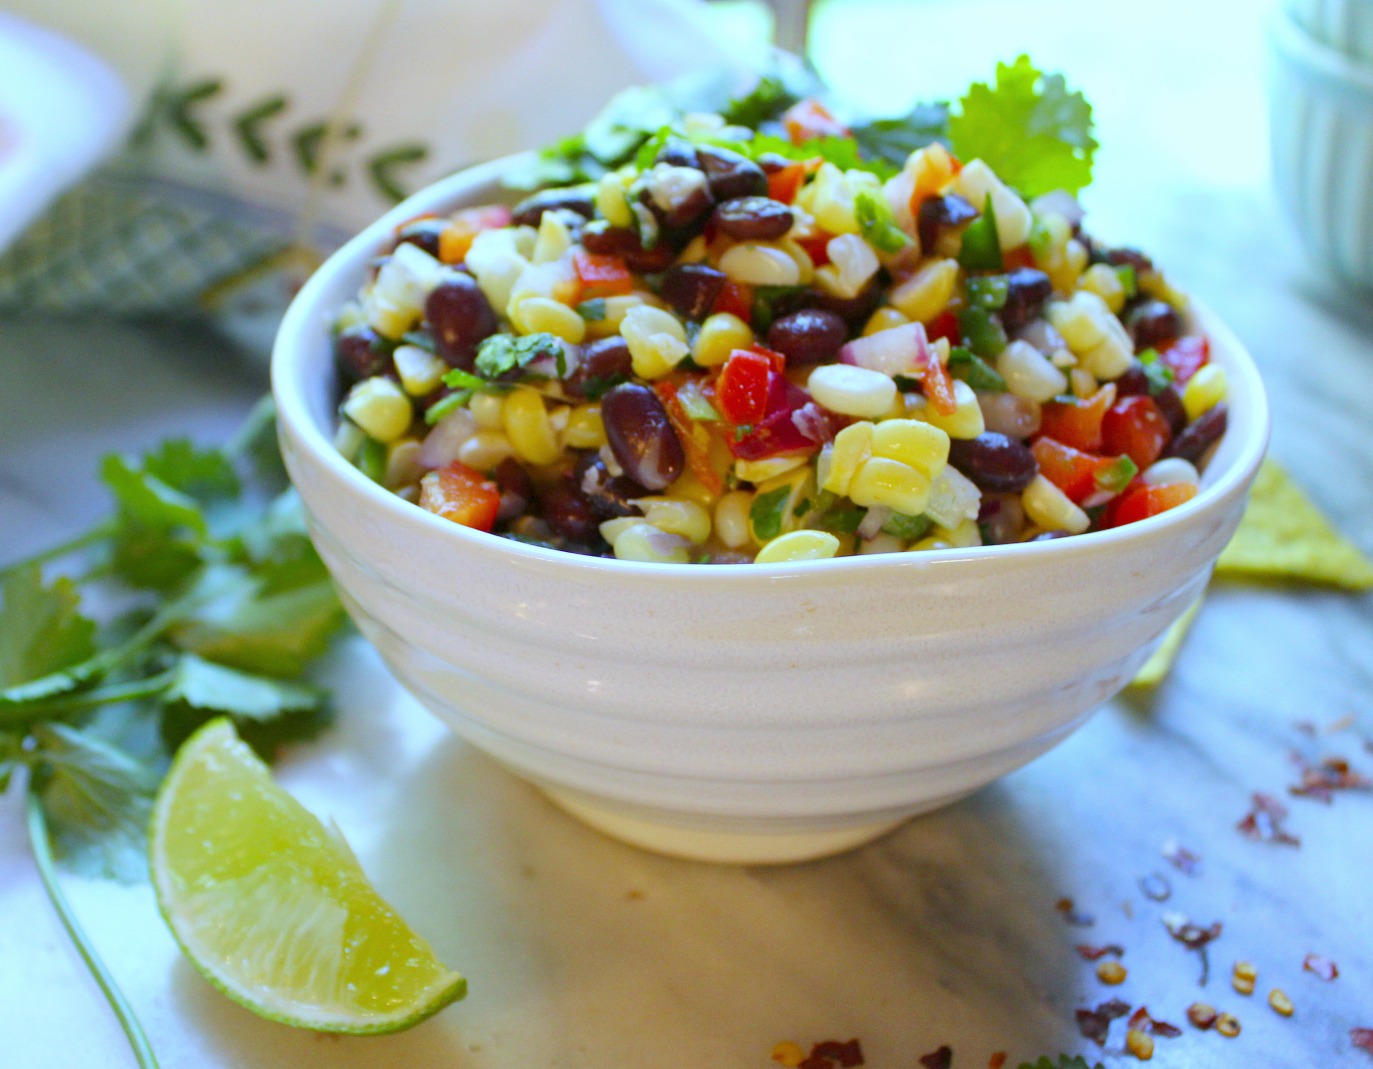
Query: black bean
x,y
1202,433
942,213
753,218
691,289
1153,324
853,310
678,153
772,162
579,199
604,364
424,233
1169,401
360,353
517,489
605,240
641,435
1026,291
994,462
461,318
1126,257
731,175
688,210
1133,382
568,512
810,336
609,495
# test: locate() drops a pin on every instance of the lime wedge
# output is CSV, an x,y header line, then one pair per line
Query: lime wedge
x,y
273,908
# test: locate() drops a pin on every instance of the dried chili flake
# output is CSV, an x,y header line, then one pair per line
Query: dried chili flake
x,y
831,1052
1362,1038
1332,774
997,1060
1322,967
1070,914
1140,1021
1263,822
1182,859
1096,1024
938,1059
1156,887
1193,937
1092,953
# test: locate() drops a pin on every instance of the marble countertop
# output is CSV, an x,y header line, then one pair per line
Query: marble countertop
x,y
582,952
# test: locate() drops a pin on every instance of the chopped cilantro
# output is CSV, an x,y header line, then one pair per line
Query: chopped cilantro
x,y
1033,132
892,140
1159,375
766,513
981,249
505,352
976,372
877,223
767,100
592,310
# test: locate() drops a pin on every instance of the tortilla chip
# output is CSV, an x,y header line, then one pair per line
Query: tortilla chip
x,y
1156,667
1284,536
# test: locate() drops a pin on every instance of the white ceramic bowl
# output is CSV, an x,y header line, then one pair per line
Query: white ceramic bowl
x,y
1344,25
742,713
1321,110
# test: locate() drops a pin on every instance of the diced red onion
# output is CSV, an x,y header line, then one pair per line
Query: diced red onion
x,y
873,522
814,423
1005,413
441,445
1041,334
902,350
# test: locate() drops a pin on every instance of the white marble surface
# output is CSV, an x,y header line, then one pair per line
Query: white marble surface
x,y
582,952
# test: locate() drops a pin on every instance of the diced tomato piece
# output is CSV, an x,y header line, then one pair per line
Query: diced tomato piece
x,y
1136,427
1077,422
736,298
817,247
1081,475
1186,356
776,360
741,391
945,326
776,433
601,276
694,438
461,494
1020,256
938,387
784,184
1144,500
463,226
808,119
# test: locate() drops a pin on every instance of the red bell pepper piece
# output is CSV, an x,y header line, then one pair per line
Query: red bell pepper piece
x,y
938,387
776,433
1077,422
785,183
694,438
741,391
735,298
1143,500
1136,427
461,494
1081,475
601,275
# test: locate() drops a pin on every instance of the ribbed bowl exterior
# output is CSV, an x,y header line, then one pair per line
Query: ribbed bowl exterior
x,y
1321,109
751,700
1344,25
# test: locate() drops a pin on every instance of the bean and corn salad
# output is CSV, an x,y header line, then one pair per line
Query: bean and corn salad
x,y
716,355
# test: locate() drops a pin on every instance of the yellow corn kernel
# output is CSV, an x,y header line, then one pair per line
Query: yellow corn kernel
x,y
584,428
677,516
1059,232
788,1054
420,371
1068,270
759,264
841,458
966,420
891,484
731,519
1204,390
691,488
380,407
485,449
402,463
349,316
612,203
921,445
1083,383
805,266
1051,509
927,292
616,308
884,318
389,318
760,471
486,410
694,252
644,542
1102,280
528,428
964,536
656,340
831,201
1154,284
798,546
612,529
719,336
554,239
545,315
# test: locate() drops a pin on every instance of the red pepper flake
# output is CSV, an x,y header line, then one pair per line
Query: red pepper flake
x,y
1156,887
1072,916
1182,859
830,1052
1362,1038
1263,822
1342,724
1193,937
1091,953
1332,774
1322,967
938,1059
1096,1024
997,1060
1140,1021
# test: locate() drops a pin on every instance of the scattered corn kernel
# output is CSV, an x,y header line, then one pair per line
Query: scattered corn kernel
x,y
731,519
584,429
927,292
642,541
402,463
677,516
921,445
965,421
1102,280
760,471
545,315
1277,998
485,449
884,318
840,459
611,202
719,336
789,1054
554,238
1201,1015
1029,373
1083,382
656,339
1228,1025
1140,1044
1111,972
760,265
528,427
852,391
420,371
380,407
1204,390
890,484
798,546
1051,509
486,410
1243,977
976,182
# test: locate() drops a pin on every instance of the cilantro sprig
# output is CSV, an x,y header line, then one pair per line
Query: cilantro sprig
x,y
224,603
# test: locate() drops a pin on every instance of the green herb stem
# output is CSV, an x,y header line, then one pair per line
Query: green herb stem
x,y
52,708
101,530
42,853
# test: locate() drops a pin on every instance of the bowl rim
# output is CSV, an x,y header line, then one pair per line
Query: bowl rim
x,y
480,184
1337,70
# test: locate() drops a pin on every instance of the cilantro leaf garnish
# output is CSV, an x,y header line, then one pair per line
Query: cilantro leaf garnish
x,y
505,352
767,100
1029,128
892,140
41,630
